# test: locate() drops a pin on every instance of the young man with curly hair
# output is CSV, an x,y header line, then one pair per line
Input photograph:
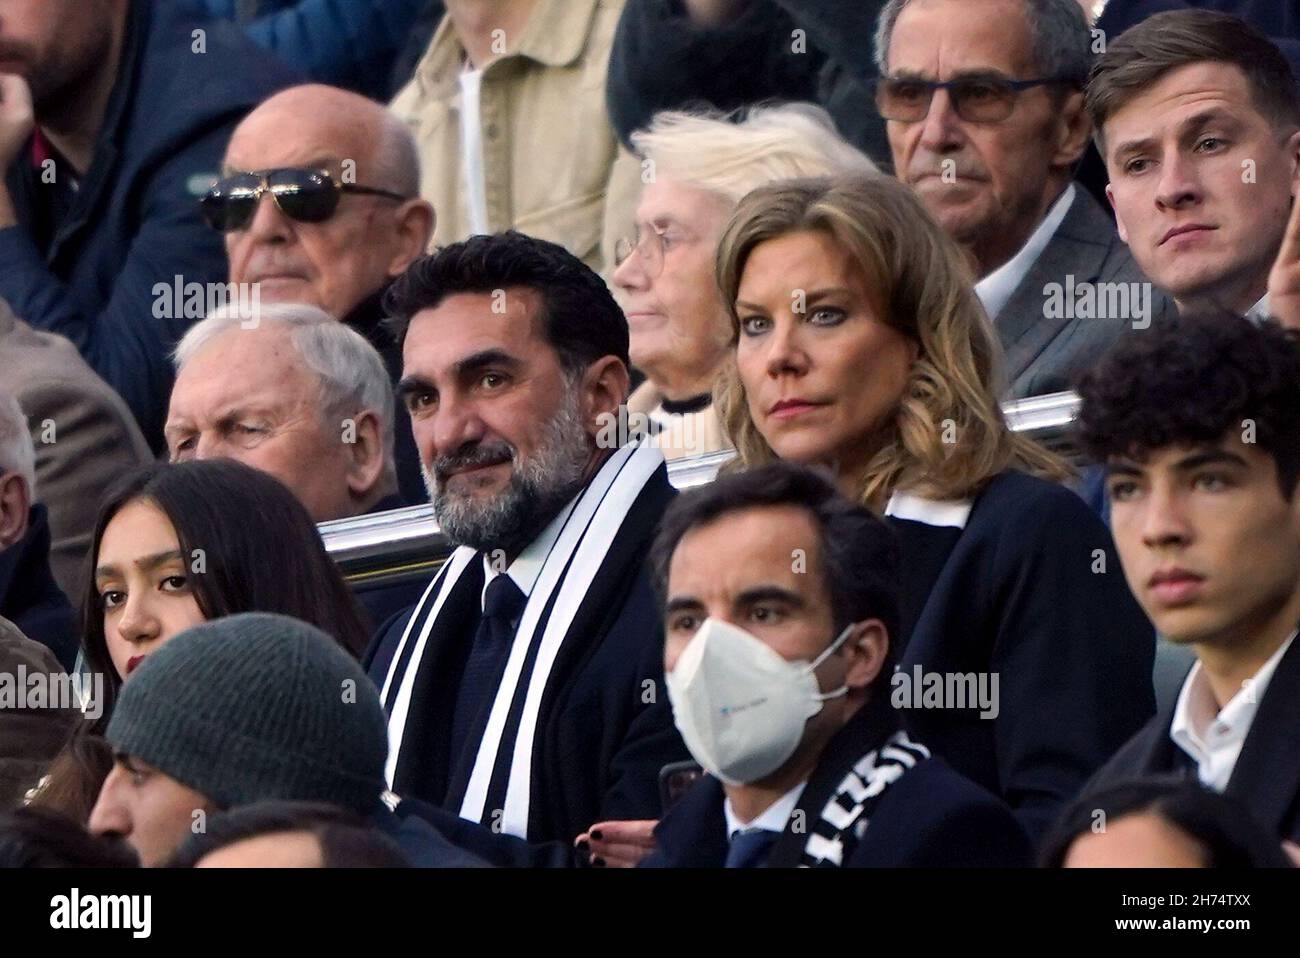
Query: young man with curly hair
x,y
1196,422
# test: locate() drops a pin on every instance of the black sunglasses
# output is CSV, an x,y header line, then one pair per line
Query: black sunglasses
x,y
980,99
309,196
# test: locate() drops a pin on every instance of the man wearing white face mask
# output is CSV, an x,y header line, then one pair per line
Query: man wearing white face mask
x,y
781,599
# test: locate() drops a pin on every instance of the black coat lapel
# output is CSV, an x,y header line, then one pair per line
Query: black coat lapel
x,y
694,832
1266,777
923,553
425,765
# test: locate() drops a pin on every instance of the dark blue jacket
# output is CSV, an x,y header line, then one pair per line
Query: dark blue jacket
x,y
422,844
346,43
134,221
29,596
1031,589
1279,19
930,817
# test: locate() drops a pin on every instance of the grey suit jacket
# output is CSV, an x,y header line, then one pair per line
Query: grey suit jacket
x,y
94,436
1062,316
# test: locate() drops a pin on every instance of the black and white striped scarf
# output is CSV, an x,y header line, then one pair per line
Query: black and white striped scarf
x,y
847,813
592,523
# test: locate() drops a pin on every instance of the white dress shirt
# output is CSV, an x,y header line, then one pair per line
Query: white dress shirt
x,y
471,146
772,819
1212,736
995,289
527,566
1260,310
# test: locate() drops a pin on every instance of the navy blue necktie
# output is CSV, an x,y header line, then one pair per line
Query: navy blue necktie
x,y
502,605
749,848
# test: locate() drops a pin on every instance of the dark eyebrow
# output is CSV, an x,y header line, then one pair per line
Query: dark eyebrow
x,y
144,562
768,593
1128,148
1210,457
1123,467
1188,127
1192,461
682,602
480,360
1214,114
409,384
820,294
810,296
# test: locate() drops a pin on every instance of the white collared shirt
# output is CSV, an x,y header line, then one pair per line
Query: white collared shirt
x,y
772,819
471,154
527,566
933,512
1260,310
995,289
1212,736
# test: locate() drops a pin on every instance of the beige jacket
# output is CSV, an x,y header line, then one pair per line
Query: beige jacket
x,y
85,436
552,164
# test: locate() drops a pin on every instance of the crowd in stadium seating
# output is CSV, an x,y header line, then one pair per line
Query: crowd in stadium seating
x,y
263,266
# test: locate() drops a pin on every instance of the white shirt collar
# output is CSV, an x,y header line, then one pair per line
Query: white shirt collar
x,y
772,819
933,512
1213,737
995,289
1259,310
527,566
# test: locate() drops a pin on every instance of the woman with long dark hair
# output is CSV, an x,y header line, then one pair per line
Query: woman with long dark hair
x,y
176,544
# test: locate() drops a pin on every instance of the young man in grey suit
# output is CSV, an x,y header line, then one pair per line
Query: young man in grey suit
x,y
985,105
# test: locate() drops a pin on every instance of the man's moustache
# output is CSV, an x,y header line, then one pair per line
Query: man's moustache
x,y
444,467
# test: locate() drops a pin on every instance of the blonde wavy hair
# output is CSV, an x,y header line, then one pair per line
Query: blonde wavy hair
x,y
919,283
730,154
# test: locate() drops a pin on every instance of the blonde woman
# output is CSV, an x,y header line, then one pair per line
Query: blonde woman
x,y
859,345
696,168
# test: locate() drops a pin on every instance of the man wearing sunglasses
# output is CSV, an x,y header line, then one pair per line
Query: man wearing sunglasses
x,y
986,121
113,116
318,204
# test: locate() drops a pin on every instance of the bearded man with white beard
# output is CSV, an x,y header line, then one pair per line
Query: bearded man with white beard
x,y
525,690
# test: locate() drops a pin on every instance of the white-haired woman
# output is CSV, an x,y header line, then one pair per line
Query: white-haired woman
x,y
696,168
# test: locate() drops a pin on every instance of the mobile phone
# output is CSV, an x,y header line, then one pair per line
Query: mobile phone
x,y
675,780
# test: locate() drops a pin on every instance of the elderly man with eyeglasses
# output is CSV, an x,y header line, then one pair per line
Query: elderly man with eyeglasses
x,y
319,205
986,121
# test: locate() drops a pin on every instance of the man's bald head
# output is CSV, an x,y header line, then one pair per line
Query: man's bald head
x,y
340,262
345,125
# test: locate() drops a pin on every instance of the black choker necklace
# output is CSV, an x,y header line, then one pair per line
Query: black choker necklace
x,y
683,406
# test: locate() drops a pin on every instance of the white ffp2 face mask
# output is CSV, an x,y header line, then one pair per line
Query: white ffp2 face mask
x,y
740,707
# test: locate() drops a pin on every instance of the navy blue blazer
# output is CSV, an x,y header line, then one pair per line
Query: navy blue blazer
x,y
1266,778
1015,593
605,727
930,817
134,222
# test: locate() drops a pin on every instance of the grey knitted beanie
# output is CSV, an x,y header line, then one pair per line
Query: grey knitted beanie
x,y
256,706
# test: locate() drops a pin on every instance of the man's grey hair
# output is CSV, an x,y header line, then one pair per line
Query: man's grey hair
x,y
1062,39
349,370
17,452
397,158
